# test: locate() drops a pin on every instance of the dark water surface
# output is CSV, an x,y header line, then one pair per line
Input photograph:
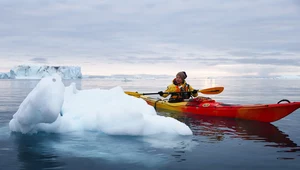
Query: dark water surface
x,y
217,143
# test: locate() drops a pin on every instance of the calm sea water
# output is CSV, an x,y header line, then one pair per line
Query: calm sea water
x,y
217,143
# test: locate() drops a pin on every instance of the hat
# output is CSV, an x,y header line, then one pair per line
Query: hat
x,y
182,75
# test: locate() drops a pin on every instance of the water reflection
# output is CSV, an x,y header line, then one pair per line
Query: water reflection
x,y
33,152
216,129
51,151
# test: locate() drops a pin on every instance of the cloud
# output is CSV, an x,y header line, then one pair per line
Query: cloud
x,y
39,60
274,62
173,32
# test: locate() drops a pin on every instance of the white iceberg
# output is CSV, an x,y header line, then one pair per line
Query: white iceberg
x,y
4,75
106,111
38,72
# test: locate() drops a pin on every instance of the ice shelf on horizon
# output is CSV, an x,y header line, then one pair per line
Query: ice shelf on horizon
x,y
38,72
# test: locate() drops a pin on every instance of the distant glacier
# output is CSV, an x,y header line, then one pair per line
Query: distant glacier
x,y
38,72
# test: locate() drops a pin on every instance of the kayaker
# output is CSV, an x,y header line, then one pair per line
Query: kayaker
x,y
179,85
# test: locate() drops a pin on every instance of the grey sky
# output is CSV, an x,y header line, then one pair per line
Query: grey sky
x,y
153,36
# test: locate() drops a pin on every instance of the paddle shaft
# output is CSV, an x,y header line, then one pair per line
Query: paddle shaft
x,y
164,93
212,90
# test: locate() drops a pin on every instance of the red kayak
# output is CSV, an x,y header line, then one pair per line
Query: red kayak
x,y
209,107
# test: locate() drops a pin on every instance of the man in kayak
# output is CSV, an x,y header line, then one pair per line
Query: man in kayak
x,y
185,91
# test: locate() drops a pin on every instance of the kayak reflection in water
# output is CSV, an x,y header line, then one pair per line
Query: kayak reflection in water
x,y
216,129
185,91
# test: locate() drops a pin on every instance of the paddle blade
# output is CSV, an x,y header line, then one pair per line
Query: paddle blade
x,y
212,90
131,93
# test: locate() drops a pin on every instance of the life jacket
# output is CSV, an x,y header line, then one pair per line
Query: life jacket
x,y
179,97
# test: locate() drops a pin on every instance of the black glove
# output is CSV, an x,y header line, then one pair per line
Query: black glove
x,y
195,91
161,93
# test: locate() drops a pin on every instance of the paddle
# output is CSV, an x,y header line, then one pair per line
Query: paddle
x,y
212,90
